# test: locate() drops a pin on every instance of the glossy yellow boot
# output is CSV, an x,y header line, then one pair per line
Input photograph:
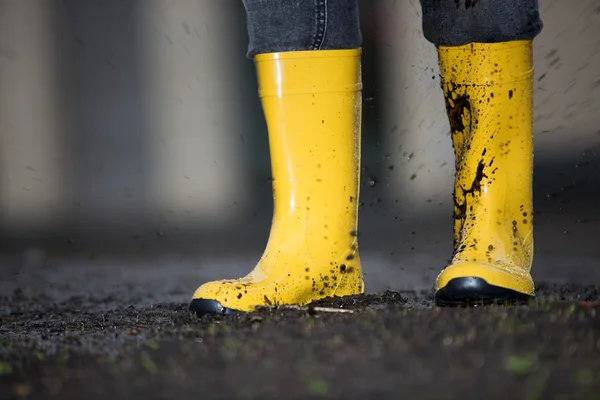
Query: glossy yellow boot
x,y
488,92
312,105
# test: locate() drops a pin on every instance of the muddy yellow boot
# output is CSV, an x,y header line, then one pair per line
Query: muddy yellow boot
x,y
312,105
488,92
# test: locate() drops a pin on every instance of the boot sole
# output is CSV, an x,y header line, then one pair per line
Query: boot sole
x,y
459,292
202,307
473,291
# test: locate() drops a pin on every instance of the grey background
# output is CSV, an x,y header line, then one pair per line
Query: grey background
x,y
134,151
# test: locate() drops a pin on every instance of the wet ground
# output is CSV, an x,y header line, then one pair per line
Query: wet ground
x,y
389,345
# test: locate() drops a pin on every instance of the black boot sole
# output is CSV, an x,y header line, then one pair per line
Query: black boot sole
x,y
472,291
202,307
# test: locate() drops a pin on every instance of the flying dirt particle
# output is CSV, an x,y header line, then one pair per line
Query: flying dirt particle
x,y
554,61
413,177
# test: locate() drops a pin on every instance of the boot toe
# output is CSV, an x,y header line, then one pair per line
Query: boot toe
x,y
202,307
468,291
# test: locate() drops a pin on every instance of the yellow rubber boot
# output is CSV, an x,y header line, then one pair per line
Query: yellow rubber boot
x,y
488,92
312,105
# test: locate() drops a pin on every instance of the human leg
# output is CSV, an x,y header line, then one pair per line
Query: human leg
x,y
485,55
307,58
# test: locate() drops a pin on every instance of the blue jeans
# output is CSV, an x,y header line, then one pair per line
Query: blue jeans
x,y
294,25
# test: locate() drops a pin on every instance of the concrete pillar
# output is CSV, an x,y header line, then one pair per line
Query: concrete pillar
x,y
32,123
190,74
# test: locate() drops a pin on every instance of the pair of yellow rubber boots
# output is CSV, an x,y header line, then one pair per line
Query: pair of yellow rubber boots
x,y
313,105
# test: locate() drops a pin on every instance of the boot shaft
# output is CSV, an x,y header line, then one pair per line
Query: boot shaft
x,y
488,93
312,105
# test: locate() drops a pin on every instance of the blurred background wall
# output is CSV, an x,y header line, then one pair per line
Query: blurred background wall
x,y
131,131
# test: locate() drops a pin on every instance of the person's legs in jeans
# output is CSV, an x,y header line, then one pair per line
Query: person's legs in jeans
x,y
484,49
485,56
307,58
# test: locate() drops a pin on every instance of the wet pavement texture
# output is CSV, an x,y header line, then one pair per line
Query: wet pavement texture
x,y
391,345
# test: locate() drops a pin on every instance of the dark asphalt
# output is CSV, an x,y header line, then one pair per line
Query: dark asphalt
x,y
394,345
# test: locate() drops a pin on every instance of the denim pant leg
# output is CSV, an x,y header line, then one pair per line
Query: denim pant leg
x,y
459,22
295,25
